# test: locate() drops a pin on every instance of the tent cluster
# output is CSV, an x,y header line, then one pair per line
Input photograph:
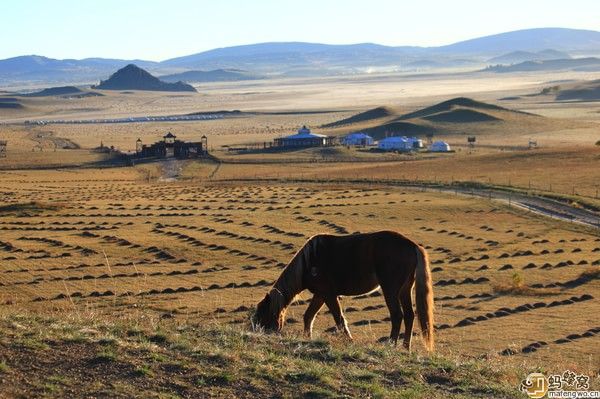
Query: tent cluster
x,y
306,138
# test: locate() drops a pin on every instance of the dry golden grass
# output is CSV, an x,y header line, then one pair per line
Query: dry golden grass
x,y
105,241
119,243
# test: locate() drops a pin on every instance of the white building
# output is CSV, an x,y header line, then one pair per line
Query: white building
x,y
358,139
439,146
400,143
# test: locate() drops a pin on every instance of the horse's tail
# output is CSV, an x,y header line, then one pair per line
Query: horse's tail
x,y
424,296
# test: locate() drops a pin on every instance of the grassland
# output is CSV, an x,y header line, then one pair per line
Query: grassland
x,y
195,254
127,284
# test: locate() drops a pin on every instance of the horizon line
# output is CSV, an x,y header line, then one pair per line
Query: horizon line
x,y
293,41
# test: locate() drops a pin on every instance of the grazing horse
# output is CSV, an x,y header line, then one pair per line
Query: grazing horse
x,y
330,266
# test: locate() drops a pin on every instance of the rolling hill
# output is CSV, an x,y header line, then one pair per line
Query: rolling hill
x,y
588,91
516,57
533,40
572,64
131,77
10,103
216,75
64,91
453,116
370,115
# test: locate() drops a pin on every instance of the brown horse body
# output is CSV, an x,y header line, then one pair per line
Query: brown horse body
x,y
331,266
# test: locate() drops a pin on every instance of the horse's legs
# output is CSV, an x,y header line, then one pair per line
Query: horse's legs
x,y
333,304
309,316
393,304
409,314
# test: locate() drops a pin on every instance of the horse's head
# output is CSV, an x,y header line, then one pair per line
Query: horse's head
x,y
270,313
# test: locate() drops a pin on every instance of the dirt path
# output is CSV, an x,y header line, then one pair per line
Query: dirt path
x,y
540,205
49,140
171,169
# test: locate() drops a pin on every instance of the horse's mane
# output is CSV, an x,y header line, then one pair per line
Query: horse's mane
x,y
289,283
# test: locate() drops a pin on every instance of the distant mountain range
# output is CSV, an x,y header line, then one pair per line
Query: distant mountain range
x,y
314,59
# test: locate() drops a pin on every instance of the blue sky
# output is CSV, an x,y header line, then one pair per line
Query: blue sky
x,y
157,30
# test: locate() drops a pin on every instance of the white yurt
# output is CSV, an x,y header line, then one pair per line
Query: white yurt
x,y
357,139
439,146
304,138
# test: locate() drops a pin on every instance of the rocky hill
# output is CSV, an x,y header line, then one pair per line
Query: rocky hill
x,y
132,77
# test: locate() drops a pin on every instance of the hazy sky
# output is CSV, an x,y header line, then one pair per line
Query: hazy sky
x,y
159,29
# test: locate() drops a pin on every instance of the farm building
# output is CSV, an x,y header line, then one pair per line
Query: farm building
x,y
304,138
439,146
400,144
358,139
171,147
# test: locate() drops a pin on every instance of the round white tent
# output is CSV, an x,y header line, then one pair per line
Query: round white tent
x,y
440,146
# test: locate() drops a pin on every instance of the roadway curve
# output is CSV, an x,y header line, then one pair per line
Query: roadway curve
x,y
540,205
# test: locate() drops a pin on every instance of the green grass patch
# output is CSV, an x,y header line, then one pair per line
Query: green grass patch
x,y
4,367
105,355
220,378
143,371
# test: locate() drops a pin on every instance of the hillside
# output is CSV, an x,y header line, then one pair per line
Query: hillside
x,y
132,77
10,103
89,358
574,64
447,117
63,91
372,114
216,75
449,105
516,57
461,116
589,91
537,39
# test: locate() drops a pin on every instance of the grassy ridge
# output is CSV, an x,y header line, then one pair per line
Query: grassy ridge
x,y
84,357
